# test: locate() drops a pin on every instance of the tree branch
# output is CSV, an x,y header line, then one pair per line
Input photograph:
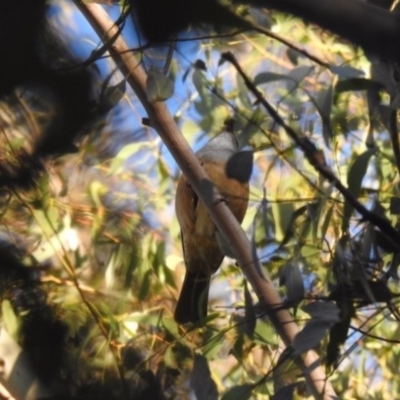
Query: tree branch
x,y
162,121
313,157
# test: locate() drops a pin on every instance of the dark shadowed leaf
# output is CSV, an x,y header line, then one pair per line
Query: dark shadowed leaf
x,y
322,310
395,205
358,170
310,336
290,226
201,381
354,84
240,166
323,316
323,103
200,64
383,242
290,277
297,75
265,77
386,115
338,332
346,71
242,392
355,177
293,55
250,313
285,393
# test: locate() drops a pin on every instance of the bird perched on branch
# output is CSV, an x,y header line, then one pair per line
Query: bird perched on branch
x,y
202,254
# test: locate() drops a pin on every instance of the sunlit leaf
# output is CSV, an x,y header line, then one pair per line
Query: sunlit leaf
x,y
112,95
125,153
282,213
213,345
158,86
10,319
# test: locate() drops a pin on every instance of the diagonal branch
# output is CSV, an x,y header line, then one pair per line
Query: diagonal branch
x,y
162,121
312,155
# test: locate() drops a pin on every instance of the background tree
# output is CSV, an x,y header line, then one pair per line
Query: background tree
x,y
90,257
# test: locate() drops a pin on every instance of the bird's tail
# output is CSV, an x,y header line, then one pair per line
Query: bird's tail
x,y
193,299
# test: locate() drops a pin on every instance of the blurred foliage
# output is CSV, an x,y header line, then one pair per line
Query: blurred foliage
x,y
91,260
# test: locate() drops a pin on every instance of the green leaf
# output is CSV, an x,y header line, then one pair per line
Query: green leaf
x,y
290,224
283,217
112,95
214,344
125,153
327,221
158,86
10,319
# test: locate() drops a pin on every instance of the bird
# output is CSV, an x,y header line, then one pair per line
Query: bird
x,y
201,251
